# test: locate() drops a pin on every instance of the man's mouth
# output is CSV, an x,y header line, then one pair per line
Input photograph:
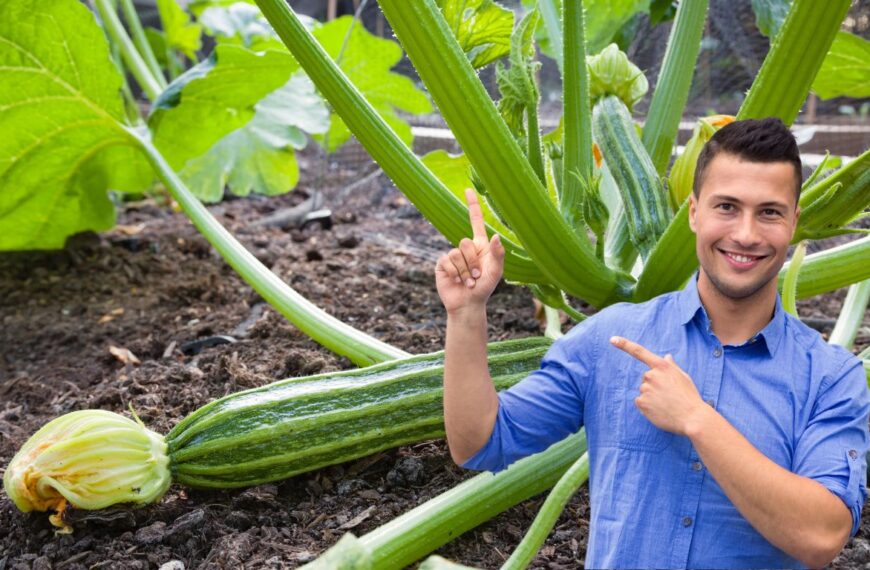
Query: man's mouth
x,y
741,260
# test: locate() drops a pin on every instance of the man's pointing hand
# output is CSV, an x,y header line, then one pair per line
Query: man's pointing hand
x,y
467,275
668,396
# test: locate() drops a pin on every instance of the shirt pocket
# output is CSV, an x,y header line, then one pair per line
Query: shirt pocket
x,y
635,432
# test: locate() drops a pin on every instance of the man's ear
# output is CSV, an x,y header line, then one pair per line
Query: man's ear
x,y
693,206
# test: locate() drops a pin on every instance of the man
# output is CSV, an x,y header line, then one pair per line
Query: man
x,y
722,431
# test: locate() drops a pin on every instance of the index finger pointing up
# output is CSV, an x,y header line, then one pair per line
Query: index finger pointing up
x,y
641,353
478,226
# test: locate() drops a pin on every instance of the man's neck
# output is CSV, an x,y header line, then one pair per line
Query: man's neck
x,y
734,321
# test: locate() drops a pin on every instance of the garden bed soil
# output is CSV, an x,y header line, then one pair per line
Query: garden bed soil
x,y
154,287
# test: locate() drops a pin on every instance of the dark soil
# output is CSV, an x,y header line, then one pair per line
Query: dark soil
x,y
153,285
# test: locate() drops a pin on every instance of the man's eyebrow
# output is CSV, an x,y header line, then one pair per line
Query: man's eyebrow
x,y
733,199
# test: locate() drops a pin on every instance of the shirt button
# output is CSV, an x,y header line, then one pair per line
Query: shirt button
x,y
696,466
711,403
718,352
853,454
687,521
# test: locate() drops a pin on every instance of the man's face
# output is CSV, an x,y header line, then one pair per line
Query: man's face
x,y
744,218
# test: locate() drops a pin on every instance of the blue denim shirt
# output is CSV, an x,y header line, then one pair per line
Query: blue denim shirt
x,y
800,401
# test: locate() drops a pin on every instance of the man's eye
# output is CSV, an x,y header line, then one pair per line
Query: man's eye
x,y
770,212
726,207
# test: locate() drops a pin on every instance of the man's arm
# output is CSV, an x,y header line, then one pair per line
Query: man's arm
x,y
466,277
470,401
796,514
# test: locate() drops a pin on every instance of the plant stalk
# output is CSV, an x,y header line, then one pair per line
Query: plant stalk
x,y
833,268
417,182
132,59
794,59
533,133
564,256
790,281
418,532
851,315
325,329
577,133
141,41
562,492
675,79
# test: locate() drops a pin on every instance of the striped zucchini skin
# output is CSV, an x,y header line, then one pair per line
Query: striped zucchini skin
x,y
641,189
301,424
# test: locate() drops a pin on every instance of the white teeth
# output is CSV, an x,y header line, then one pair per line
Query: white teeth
x,y
741,258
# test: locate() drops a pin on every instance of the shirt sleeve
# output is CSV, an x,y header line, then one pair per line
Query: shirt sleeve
x,y
832,449
546,406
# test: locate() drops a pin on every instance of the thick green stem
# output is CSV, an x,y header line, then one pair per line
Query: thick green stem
x,y
671,262
675,79
132,59
576,475
833,268
554,323
788,71
577,115
790,281
330,332
417,182
141,41
852,315
533,133
418,532
564,256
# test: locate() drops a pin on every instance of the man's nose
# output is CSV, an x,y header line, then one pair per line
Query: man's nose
x,y
746,234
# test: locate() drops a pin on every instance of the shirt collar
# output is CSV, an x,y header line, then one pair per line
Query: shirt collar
x,y
690,306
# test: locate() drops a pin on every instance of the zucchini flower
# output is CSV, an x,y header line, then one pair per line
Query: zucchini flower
x,y
682,175
611,73
89,459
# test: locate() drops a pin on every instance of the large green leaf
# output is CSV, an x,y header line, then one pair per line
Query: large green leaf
x,y
63,144
180,33
845,71
770,14
367,60
259,156
604,18
482,27
213,99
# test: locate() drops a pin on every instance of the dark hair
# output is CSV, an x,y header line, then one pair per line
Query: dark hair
x,y
764,140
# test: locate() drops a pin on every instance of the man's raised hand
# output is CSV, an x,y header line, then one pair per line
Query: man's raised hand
x,y
467,275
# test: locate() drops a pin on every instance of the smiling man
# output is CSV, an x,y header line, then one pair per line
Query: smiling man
x,y
723,433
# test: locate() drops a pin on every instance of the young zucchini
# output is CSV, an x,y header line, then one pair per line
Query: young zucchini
x,y
91,459
641,189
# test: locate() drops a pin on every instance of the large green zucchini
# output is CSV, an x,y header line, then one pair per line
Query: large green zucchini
x,y
92,459
641,189
297,425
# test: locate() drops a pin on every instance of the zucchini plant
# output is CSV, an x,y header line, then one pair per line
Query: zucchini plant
x,y
601,233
